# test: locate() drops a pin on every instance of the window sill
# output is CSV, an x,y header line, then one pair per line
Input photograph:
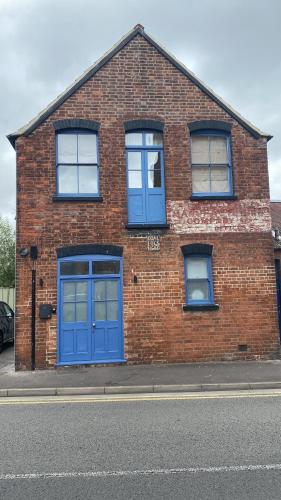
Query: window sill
x,y
93,199
147,226
213,197
200,307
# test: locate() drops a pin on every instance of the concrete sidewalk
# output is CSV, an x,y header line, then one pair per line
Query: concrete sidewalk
x,y
142,378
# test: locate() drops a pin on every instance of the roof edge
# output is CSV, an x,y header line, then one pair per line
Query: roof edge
x,y
87,74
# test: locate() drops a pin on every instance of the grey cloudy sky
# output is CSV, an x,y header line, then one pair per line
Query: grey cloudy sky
x,y
234,46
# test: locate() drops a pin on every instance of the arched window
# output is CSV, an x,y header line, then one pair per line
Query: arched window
x,y
77,163
145,177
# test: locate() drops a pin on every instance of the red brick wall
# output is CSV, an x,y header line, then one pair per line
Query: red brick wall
x,y
139,83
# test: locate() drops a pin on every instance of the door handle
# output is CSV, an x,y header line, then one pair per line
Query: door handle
x,y
94,324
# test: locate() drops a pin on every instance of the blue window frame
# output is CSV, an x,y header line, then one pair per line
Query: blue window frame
x,y
145,177
199,280
211,163
77,163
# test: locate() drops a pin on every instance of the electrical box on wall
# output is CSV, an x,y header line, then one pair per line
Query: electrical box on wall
x,y
45,311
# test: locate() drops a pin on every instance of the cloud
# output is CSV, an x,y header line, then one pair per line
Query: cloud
x,y
233,46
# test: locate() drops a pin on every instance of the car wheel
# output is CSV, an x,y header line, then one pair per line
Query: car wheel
x,y
1,342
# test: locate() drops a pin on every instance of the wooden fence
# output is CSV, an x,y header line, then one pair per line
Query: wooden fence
x,y
8,295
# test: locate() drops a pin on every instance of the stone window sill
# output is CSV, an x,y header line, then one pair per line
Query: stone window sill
x,y
201,307
77,199
145,227
210,197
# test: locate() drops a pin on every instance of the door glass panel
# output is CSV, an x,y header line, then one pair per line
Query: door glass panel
x,y
198,290
135,179
153,139
134,160
112,290
87,148
133,139
88,179
100,311
69,312
99,290
81,311
112,310
154,169
73,268
197,268
81,291
69,292
106,267
67,148
67,177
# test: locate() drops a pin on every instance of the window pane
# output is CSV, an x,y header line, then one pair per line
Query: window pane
x,y
218,153
106,267
112,290
81,311
67,176
154,178
200,180
100,311
197,268
154,139
198,290
112,311
134,160
153,160
69,292
88,179
73,268
219,179
135,179
134,139
81,291
69,313
99,290
200,149
67,148
87,148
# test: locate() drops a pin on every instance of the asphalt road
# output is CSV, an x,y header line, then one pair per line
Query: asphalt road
x,y
213,447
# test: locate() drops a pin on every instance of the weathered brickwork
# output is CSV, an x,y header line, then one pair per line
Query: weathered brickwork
x,y
140,83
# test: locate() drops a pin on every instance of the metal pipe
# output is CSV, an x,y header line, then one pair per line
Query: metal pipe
x,y
33,317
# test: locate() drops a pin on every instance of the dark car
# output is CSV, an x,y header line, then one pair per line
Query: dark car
x,y
6,324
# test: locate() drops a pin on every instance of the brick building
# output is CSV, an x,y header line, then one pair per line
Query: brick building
x,y
146,197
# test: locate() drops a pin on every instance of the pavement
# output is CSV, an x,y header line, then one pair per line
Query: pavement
x,y
185,377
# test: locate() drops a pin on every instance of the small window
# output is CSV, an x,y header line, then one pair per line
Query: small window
x,y
77,164
199,283
74,268
106,267
211,164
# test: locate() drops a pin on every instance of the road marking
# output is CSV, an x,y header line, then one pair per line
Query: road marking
x,y
36,400
141,472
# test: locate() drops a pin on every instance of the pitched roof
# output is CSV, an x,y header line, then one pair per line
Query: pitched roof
x,y
137,30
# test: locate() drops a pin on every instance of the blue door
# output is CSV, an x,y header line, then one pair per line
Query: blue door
x,y
145,178
90,309
106,319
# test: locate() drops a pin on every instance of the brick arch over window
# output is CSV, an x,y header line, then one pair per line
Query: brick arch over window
x,y
76,123
197,248
144,125
90,249
209,125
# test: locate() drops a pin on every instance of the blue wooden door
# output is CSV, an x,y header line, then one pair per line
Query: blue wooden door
x,y
155,191
107,319
75,328
146,187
